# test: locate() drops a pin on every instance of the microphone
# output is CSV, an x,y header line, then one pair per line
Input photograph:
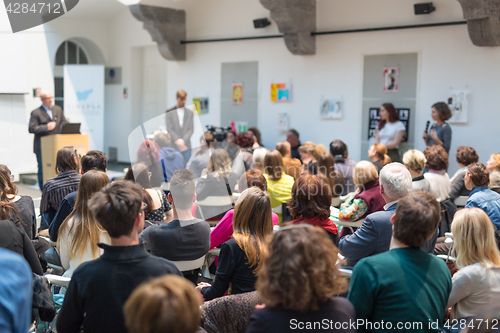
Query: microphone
x,y
427,126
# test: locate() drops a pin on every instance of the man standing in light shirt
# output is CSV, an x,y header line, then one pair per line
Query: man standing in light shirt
x,y
180,125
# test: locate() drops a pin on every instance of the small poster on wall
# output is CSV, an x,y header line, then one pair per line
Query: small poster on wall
x,y
459,106
237,95
281,92
201,104
283,121
391,79
331,108
373,119
239,126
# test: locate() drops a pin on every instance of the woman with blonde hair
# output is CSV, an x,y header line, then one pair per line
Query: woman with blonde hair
x,y
477,283
240,257
493,166
299,282
258,158
80,232
306,151
415,161
378,155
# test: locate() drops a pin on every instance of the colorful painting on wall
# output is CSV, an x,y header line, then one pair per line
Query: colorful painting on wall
x,y
237,95
201,104
281,92
391,79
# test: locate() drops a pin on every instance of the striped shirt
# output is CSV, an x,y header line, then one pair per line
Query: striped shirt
x,y
55,189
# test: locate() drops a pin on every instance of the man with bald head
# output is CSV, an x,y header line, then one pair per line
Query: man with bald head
x,y
45,120
374,235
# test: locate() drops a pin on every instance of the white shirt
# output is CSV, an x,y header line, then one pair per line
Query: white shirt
x,y
388,132
180,113
49,111
68,263
440,185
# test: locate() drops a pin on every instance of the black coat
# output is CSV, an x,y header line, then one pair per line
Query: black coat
x,y
38,124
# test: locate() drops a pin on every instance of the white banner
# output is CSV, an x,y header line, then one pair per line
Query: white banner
x,y
84,100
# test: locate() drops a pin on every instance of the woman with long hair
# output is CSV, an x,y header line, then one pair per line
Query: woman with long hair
x,y
80,232
19,207
240,257
343,164
257,137
477,283
245,141
306,151
378,155
326,170
390,131
300,281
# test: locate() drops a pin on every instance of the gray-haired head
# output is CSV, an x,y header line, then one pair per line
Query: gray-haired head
x,y
395,180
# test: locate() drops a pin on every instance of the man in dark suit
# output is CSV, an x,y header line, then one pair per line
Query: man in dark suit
x,y
374,235
180,125
45,120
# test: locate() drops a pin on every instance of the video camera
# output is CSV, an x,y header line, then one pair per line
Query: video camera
x,y
219,133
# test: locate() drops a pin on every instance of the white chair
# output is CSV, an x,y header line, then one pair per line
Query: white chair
x,y
209,259
350,225
278,210
345,272
336,202
461,201
214,201
58,280
38,216
189,265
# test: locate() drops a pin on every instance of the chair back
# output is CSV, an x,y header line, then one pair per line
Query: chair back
x,y
188,265
461,201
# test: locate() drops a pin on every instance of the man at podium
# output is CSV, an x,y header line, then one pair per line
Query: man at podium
x,y
45,120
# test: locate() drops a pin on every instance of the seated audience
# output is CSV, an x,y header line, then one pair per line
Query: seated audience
x,y
292,165
80,232
367,198
23,208
257,137
239,258
477,283
292,136
167,304
55,189
415,161
149,154
217,180
306,151
279,184
170,159
374,235
199,161
310,204
245,141
465,156
223,231
185,238
99,289
292,296
258,158
326,170
230,145
405,284
494,167
313,167
16,293
476,180
159,208
378,155
343,164
439,181
93,160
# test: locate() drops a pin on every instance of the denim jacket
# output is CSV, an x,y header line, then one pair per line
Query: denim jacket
x,y
488,200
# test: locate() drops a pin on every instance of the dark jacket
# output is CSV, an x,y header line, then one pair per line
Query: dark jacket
x,y
174,128
371,195
99,289
65,208
38,124
170,160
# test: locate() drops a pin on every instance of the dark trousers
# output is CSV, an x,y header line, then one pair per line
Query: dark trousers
x,y
40,170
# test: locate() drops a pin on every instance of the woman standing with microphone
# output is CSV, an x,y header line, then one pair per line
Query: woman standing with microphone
x,y
440,133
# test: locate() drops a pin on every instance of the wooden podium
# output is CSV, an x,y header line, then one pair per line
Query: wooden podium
x,y
51,145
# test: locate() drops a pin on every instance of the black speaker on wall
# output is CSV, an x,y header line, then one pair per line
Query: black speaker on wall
x,y
261,23
424,8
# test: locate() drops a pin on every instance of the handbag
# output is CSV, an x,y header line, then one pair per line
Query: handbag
x,y
42,298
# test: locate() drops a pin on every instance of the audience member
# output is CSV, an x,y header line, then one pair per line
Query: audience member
x,y
230,145
245,141
292,136
292,296
149,154
317,152
367,198
415,161
258,158
201,156
185,238
326,170
93,160
223,231
99,289
257,137
167,304
477,283
292,165
310,204
440,133
476,180
159,208
494,167
55,189
465,156
170,159
390,131
217,180
22,206
343,164
80,233
439,181
239,259
16,293
306,151
405,284
374,235
378,155
279,184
